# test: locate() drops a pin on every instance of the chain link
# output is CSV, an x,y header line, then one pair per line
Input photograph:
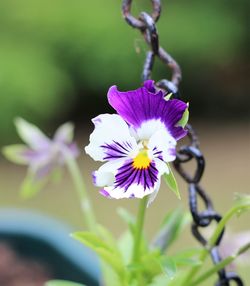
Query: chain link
x,y
146,23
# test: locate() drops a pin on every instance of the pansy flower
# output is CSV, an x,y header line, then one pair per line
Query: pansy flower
x,y
44,156
136,143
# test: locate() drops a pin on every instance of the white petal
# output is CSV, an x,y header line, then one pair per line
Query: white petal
x,y
148,128
109,128
165,143
154,194
161,166
65,133
31,135
105,175
134,191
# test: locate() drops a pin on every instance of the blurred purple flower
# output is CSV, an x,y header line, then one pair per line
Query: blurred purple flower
x,y
42,154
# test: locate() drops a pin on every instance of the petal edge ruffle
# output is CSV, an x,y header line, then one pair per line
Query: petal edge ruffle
x,y
141,105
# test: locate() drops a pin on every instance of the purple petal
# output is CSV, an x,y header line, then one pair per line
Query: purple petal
x,y
73,150
128,175
31,135
34,157
65,133
132,182
141,105
42,171
94,177
149,85
104,193
116,150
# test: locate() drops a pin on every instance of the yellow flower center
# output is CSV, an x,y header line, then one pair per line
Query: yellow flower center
x,y
141,161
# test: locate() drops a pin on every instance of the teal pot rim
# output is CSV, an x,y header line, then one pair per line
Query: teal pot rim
x,y
44,238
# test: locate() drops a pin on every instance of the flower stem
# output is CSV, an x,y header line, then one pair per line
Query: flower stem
x,y
228,260
77,179
212,241
138,236
139,229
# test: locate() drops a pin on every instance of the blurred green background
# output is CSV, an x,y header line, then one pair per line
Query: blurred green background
x,y
58,59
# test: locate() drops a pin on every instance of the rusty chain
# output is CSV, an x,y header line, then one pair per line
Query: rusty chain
x,y
146,23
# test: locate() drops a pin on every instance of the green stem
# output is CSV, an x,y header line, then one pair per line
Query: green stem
x,y
195,268
234,210
139,229
77,179
138,237
222,264
225,220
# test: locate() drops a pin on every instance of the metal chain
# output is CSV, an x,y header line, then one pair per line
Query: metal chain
x,y
146,23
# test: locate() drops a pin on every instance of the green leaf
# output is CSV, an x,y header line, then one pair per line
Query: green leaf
x,y
149,266
168,96
188,257
184,120
127,217
90,239
242,202
160,280
169,267
222,264
107,236
151,263
125,244
164,280
15,153
62,283
172,226
241,205
30,187
108,254
171,182
109,276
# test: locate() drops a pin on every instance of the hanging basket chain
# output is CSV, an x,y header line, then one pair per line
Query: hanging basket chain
x,y
146,23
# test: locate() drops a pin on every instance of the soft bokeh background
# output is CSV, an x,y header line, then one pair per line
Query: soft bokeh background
x,y
58,58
